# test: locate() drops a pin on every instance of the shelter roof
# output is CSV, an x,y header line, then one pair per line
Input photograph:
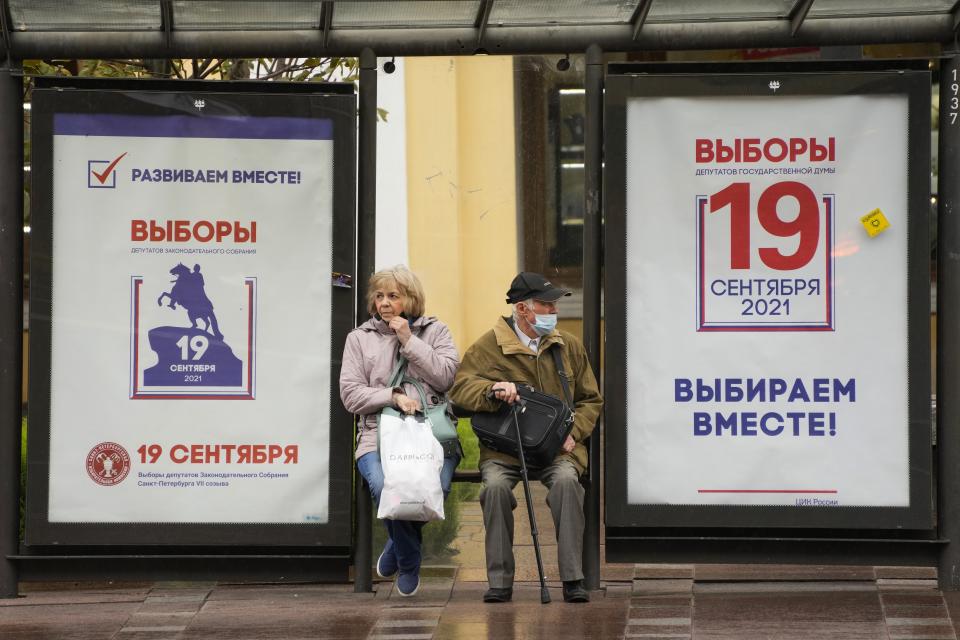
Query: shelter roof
x,y
210,28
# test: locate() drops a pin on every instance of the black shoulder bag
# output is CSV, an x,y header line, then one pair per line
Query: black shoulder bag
x,y
545,421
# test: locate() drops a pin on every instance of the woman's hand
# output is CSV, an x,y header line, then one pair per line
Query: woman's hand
x,y
401,327
405,403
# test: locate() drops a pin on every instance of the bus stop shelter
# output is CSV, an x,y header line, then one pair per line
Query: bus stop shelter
x,y
164,29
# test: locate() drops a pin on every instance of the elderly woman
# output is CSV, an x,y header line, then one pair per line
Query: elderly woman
x,y
395,299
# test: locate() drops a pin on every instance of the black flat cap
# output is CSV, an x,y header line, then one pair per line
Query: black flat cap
x,y
533,285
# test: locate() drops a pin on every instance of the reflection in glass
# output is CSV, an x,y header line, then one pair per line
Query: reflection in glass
x,y
550,161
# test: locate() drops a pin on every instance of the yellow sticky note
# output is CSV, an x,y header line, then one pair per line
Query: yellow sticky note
x,y
875,222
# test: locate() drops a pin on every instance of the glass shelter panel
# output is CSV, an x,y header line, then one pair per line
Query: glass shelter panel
x,y
841,8
550,105
682,10
246,15
517,12
442,13
103,15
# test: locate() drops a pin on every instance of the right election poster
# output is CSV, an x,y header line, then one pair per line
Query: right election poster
x,y
766,230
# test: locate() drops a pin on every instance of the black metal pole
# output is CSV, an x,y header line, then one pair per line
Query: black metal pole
x,y
366,252
948,321
11,320
592,283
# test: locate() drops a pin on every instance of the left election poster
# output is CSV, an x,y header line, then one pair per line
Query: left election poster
x,y
185,314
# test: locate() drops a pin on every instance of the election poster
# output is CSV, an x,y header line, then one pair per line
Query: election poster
x,y
192,299
766,298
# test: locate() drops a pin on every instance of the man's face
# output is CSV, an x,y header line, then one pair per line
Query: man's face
x,y
531,308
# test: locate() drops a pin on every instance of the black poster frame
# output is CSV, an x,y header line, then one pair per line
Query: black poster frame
x,y
626,82
335,102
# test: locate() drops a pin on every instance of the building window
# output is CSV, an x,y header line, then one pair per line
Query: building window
x,y
550,165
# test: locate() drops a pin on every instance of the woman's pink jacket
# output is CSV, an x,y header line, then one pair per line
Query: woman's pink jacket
x,y
369,358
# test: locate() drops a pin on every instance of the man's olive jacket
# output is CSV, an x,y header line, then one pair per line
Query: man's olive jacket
x,y
500,356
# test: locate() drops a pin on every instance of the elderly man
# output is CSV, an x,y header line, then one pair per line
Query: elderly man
x,y
517,350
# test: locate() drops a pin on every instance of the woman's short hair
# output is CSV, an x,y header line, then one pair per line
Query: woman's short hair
x,y
407,283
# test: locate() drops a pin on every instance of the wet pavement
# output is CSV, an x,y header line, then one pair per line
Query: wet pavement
x,y
728,602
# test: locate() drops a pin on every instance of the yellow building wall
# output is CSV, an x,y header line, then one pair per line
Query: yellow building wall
x,y
461,188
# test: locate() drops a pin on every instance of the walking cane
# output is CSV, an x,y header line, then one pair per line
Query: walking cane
x,y
519,407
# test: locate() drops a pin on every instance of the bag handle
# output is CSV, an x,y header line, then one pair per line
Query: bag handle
x,y
419,387
564,381
396,378
398,372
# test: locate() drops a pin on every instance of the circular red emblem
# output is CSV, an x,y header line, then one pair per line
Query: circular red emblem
x,y
108,463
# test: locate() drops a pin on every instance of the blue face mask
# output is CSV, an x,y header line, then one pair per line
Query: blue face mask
x,y
545,323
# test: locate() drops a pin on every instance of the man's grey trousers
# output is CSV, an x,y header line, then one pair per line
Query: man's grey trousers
x,y
565,499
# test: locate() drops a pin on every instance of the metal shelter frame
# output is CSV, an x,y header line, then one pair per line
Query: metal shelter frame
x,y
793,23
481,26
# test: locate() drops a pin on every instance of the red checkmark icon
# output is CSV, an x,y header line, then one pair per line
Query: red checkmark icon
x,y
102,177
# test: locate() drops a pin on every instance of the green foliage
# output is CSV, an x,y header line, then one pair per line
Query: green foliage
x,y
439,535
470,444
471,458
316,69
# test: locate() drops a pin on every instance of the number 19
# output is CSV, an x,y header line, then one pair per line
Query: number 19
x,y
806,224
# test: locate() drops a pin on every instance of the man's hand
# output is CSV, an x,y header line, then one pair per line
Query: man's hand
x,y
506,391
405,403
401,327
569,444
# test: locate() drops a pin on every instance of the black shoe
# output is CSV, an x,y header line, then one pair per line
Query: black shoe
x,y
573,591
495,594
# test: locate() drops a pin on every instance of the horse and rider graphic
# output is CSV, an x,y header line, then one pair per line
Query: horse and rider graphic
x,y
194,356
188,292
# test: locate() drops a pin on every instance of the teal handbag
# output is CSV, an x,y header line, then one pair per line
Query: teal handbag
x,y
444,429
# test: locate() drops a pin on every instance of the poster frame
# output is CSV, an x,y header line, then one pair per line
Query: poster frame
x,y
629,81
334,101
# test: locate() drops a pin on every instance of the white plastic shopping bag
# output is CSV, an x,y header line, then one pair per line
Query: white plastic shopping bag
x,y
412,459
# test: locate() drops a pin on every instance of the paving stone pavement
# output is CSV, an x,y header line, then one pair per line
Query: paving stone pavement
x,y
680,602
450,609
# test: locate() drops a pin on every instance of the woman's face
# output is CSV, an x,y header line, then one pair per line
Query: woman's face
x,y
389,301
